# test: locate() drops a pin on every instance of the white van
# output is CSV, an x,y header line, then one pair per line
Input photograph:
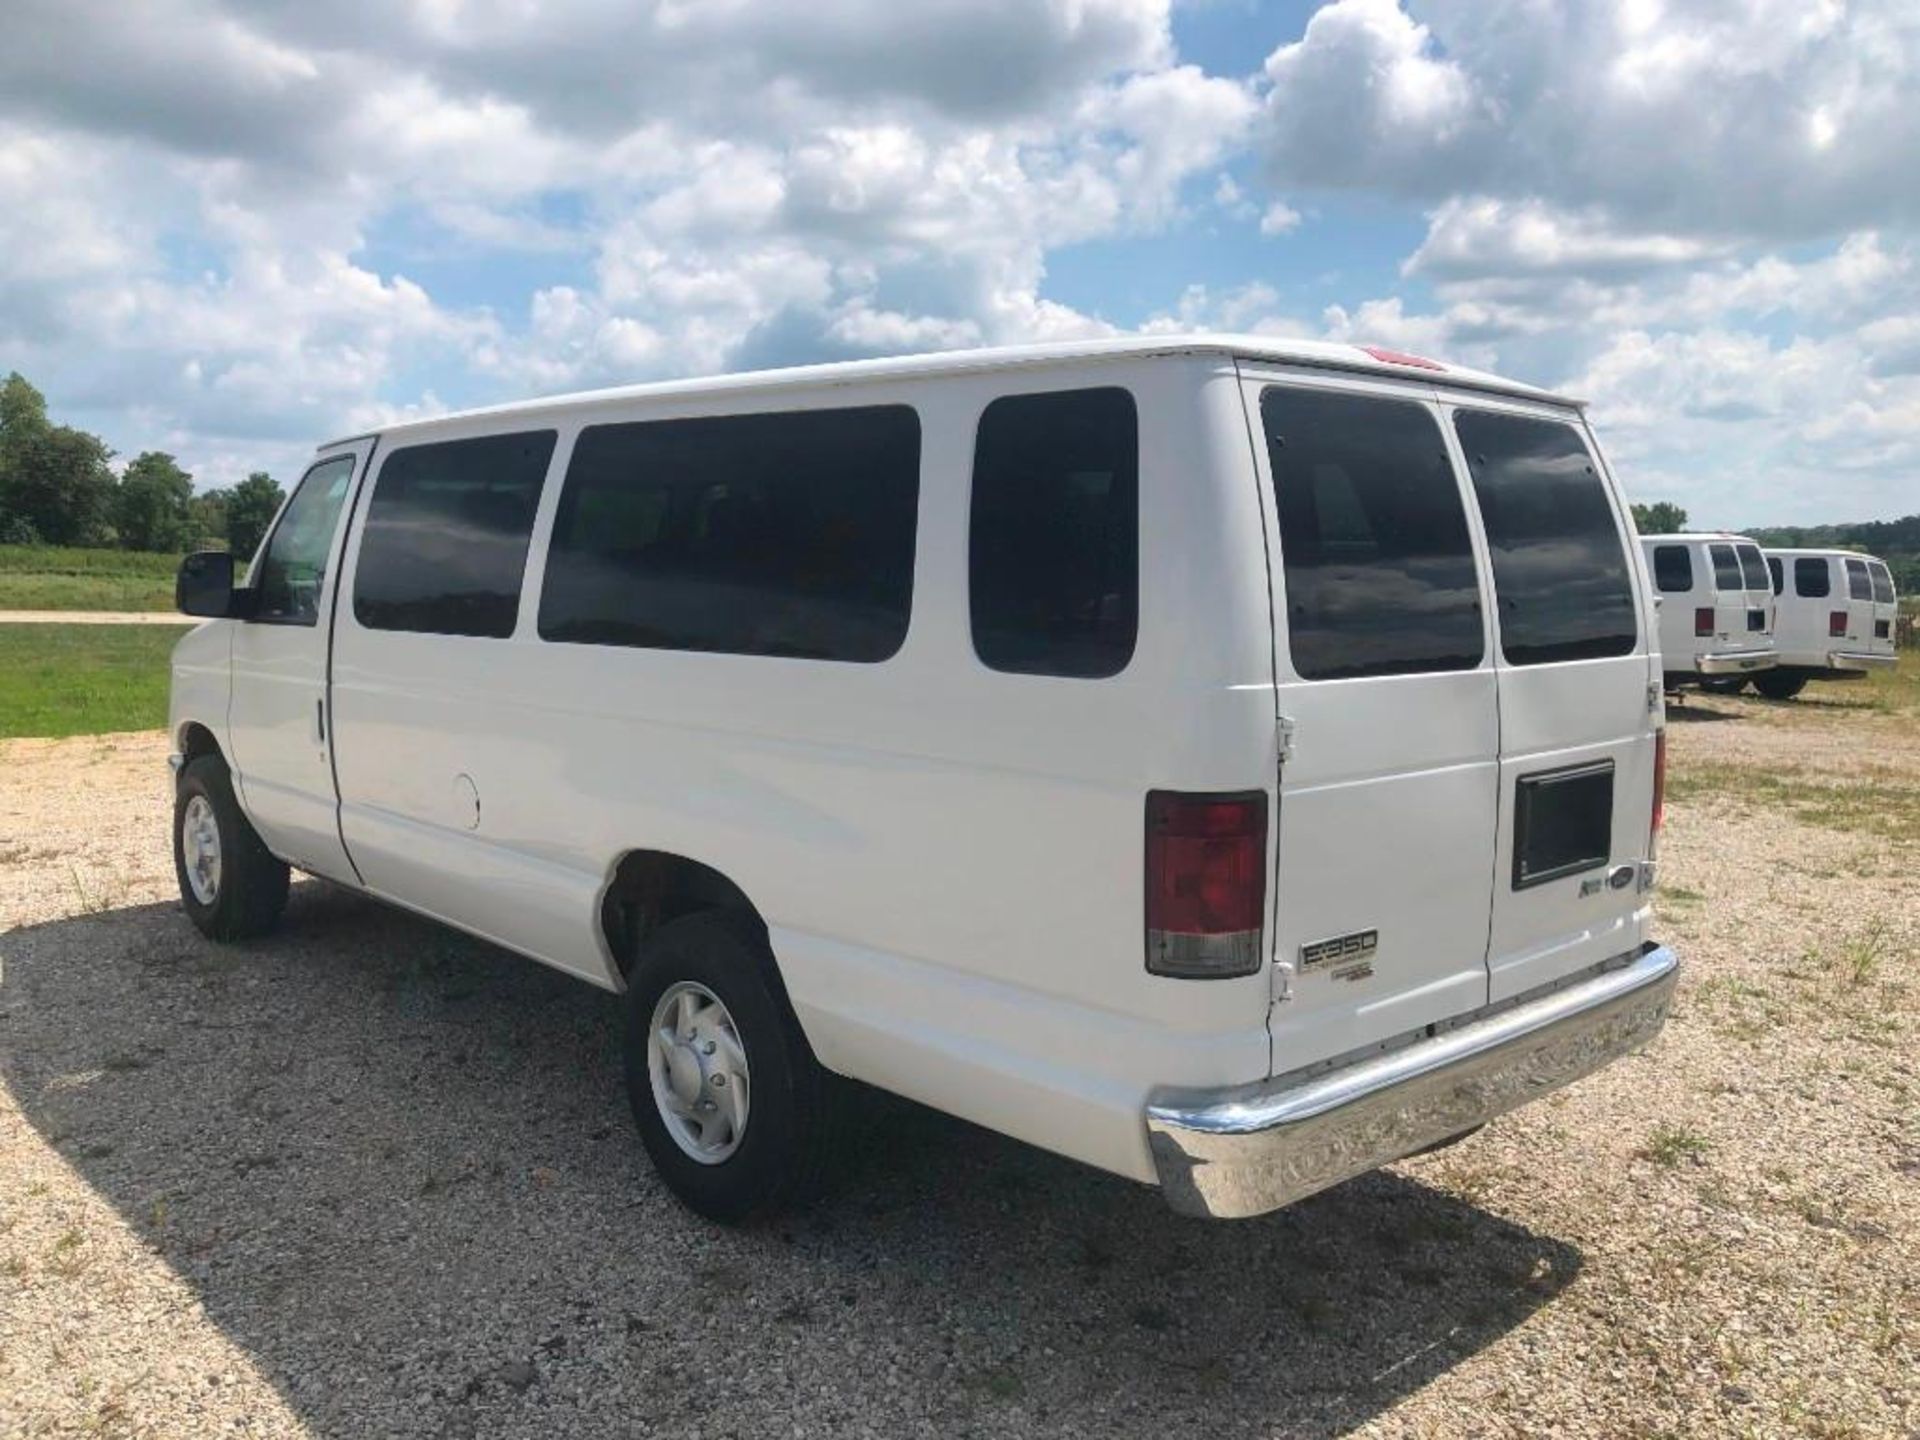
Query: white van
x,y
1228,762
1837,611
1716,608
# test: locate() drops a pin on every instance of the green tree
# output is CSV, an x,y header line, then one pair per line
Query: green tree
x,y
207,519
1663,517
54,482
151,504
251,506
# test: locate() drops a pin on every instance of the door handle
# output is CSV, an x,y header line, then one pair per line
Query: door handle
x,y
320,720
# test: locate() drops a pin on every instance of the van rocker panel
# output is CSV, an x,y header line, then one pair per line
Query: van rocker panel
x,y
1248,1151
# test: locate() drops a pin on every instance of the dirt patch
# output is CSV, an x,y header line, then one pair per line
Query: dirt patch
x,y
371,1177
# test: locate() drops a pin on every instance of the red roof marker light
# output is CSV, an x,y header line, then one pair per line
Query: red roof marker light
x,y
1400,357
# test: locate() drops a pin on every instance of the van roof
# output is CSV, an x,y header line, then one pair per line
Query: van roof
x,y
1680,536
1322,354
1832,552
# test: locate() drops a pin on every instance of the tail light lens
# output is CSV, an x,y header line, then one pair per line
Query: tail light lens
x,y
1703,620
1836,624
1659,791
1206,883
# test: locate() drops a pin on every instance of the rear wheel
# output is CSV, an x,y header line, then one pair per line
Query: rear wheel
x,y
231,886
1779,687
1724,684
738,1117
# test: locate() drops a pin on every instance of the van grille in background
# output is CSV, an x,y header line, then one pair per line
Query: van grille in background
x,y
1756,619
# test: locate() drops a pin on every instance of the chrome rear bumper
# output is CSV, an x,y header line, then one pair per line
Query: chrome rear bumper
x,y
1735,662
1257,1148
1861,660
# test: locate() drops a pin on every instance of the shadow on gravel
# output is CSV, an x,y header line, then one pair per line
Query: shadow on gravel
x,y
396,1166
1692,712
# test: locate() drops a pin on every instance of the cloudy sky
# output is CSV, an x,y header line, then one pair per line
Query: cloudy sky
x,y
231,228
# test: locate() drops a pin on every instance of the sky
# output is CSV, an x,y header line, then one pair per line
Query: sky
x,y
231,229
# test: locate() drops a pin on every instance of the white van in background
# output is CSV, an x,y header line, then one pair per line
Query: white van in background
x,y
1230,762
1716,608
1837,611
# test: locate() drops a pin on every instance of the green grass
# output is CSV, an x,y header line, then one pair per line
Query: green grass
x,y
50,577
1877,800
83,679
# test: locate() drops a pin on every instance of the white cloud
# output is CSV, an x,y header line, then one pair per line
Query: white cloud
x,y
1279,218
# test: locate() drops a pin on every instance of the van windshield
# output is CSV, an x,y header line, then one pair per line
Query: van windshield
x,y
1754,568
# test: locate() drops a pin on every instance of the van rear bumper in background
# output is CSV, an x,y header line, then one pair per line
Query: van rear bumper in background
x,y
1735,662
1861,660
1256,1148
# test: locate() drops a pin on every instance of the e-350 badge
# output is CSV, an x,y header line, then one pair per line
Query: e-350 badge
x,y
1349,957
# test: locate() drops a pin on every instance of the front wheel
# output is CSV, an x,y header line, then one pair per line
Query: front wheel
x,y
1776,686
736,1114
231,886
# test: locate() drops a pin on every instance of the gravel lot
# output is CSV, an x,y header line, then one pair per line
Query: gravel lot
x,y
371,1178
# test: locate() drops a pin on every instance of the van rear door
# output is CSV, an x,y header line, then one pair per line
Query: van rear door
x,y
1758,627
1578,697
1886,607
1859,606
1385,683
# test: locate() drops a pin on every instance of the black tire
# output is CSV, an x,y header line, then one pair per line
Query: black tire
x,y
251,888
796,1108
1724,685
1779,687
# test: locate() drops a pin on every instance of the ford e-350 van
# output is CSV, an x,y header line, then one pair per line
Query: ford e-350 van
x,y
1232,763
1837,611
1716,608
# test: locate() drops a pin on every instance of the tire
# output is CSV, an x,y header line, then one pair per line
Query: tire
x,y
1725,685
777,1158
1779,687
242,891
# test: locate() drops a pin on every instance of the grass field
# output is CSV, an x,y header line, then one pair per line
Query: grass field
x,y
83,679
50,577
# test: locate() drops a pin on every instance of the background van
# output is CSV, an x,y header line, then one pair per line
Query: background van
x,y
1228,762
1837,611
1716,608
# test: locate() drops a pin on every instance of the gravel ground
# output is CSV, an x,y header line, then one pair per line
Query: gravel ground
x,y
369,1178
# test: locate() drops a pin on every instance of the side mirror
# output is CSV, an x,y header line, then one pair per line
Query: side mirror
x,y
204,585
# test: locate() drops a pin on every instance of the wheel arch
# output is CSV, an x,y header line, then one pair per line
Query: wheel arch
x,y
646,888
192,739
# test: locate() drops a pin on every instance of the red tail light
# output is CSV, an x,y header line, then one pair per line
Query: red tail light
x,y
1206,883
1659,790
1703,620
1836,624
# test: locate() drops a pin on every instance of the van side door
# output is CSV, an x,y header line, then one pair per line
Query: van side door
x,y
1578,707
1384,680
279,718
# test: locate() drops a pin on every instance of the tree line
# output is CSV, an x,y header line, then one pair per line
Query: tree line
x,y
58,487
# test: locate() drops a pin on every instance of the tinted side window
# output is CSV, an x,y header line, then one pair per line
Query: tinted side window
x,y
1882,582
788,533
1565,592
293,567
1779,575
1373,537
1726,568
1752,569
1859,586
1811,578
445,544
1053,547
1672,568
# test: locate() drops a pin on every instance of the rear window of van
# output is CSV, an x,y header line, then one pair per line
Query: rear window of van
x,y
1726,569
1859,585
1882,582
1374,547
788,533
1753,569
1559,565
